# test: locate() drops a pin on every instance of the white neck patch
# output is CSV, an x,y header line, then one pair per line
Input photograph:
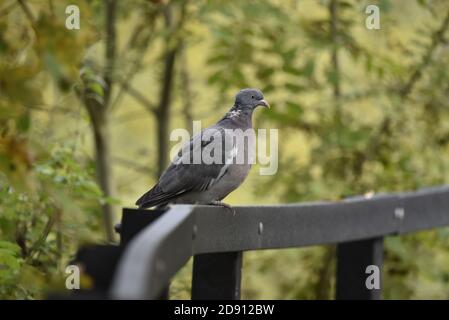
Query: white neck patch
x,y
234,113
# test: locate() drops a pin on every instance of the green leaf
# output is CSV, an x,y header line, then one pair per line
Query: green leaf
x,y
294,87
308,68
24,122
9,246
292,70
294,109
96,88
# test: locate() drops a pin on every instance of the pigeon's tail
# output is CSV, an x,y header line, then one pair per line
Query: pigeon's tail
x,y
155,197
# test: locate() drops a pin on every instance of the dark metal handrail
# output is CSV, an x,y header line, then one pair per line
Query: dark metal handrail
x,y
162,248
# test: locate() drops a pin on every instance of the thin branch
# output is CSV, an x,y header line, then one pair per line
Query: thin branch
x,y
186,88
26,9
149,106
149,18
130,164
335,63
138,28
111,11
138,62
437,38
335,39
39,242
51,7
52,109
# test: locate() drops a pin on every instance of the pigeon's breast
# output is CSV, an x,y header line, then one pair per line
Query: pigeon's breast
x,y
237,171
234,177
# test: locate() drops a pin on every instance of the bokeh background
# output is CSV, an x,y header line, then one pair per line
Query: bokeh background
x,y
85,118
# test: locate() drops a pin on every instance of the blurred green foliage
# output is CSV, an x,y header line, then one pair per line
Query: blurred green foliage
x,y
357,110
49,202
42,224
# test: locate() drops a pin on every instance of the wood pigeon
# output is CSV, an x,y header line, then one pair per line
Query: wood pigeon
x,y
214,162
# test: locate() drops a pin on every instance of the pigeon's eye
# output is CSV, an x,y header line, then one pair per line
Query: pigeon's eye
x,y
252,97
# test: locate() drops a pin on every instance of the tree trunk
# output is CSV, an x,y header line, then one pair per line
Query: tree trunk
x,y
103,167
99,118
110,20
164,106
186,90
336,86
163,113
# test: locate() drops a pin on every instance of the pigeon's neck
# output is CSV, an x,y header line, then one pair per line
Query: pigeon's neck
x,y
240,115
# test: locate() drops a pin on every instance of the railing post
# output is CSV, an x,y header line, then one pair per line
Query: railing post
x,y
134,221
217,276
353,258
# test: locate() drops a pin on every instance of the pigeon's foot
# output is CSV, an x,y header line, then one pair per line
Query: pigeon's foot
x,y
222,204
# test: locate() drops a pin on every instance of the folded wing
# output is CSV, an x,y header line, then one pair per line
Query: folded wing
x,y
199,164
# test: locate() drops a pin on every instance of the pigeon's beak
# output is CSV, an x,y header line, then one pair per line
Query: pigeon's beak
x,y
264,103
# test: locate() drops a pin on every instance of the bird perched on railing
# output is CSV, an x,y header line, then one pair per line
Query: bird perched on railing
x,y
214,162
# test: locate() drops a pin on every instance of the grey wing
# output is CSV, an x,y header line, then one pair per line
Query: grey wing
x,y
189,171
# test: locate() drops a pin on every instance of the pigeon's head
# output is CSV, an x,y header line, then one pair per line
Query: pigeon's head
x,y
250,98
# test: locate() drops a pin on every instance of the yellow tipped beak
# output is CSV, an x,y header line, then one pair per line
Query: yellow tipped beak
x,y
264,103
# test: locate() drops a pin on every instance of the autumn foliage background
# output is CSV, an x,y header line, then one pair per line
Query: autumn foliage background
x,y
85,118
